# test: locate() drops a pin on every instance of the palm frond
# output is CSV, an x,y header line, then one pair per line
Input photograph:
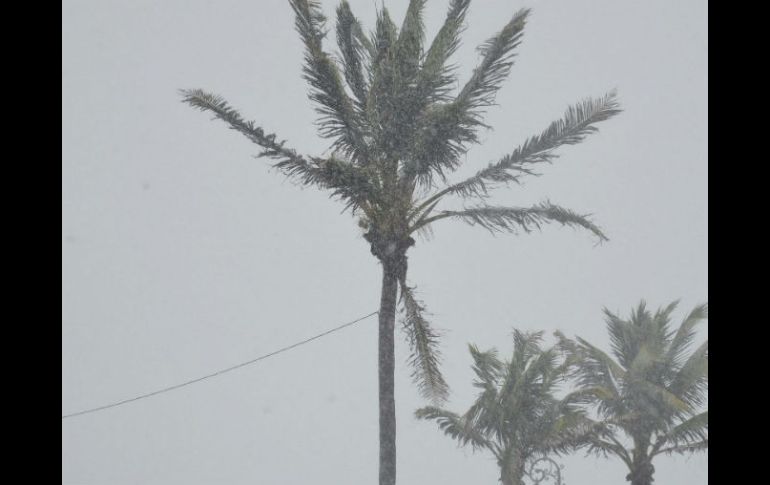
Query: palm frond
x,y
622,340
423,341
339,119
343,179
514,219
610,447
410,40
577,123
455,426
443,133
691,381
497,59
204,101
383,39
354,47
487,367
686,448
288,159
684,336
526,345
602,376
568,431
446,130
692,430
656,395
381,111
436,77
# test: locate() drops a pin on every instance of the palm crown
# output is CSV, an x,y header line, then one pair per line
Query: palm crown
x,y
653,391
398,129
516,415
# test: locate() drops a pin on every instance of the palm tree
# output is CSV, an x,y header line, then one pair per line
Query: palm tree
x,y
516,415
652,392
398,129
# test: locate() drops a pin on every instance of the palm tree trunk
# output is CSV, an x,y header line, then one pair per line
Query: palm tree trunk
x,y
511,469
645,480
642,469
641,478
386,361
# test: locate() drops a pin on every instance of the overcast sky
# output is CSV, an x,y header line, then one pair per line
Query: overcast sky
x,y
182,254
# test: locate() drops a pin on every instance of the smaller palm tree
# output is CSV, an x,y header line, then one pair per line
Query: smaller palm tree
x,y
652,394
516,415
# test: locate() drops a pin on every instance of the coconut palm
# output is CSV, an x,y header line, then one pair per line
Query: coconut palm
x,y
651,395
516,415
398,129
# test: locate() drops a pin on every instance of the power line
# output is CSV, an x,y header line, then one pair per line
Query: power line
x,y
217,373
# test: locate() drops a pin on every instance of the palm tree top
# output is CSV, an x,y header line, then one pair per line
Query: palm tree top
x,y
516,414
652,386
398,127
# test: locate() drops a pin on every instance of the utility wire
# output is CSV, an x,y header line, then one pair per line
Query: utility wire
x,y
217,373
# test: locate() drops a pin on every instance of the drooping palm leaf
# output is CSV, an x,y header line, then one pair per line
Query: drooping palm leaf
x,y
423,341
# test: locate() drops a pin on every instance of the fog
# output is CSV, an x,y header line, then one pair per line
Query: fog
x,y
183,254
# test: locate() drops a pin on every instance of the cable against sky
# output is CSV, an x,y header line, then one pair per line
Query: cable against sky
x,y
217,373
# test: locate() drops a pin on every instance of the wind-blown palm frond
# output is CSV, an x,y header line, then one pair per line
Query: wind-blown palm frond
x,y
343,179
691,380
513,219
577,123
446,130
455,426
685,448
381,105
354,47
423,341
601,376
486,366
693,430
497,59
339,119
685,335
436,77
383,39
410,40
604,447
216,104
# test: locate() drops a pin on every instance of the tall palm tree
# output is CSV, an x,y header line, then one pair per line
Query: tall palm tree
x,y
651,395
516,415
398,129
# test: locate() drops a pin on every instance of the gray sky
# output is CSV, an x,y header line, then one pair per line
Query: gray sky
x,y
181,253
